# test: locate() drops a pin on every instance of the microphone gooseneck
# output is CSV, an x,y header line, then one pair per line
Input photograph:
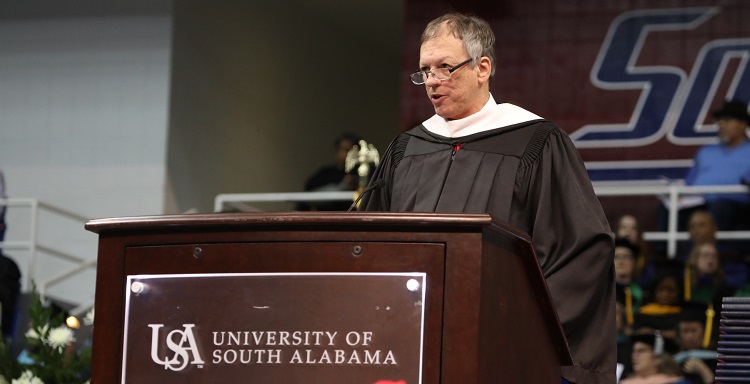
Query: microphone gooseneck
x,y
377,184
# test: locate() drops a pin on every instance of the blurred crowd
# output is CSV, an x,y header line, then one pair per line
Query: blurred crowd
x,y
668,308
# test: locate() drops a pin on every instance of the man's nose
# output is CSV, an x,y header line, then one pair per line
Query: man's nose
x,y
431,80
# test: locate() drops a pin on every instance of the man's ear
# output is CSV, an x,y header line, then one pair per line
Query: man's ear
x,y
485,69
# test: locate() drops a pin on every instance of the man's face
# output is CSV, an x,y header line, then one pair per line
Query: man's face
x,y
642,358
731,131
628,228
701,227
624,263
666,291
461,95
691,334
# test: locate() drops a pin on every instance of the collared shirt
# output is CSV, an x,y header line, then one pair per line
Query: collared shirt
x,y
719,165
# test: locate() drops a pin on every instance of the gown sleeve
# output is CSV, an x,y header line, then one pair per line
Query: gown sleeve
x,y
556,203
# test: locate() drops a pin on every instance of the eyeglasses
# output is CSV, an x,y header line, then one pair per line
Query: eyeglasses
x,y
442,73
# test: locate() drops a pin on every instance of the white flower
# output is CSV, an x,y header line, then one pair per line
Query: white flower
x,y
3,380
27,378
32,333
89,318
60,337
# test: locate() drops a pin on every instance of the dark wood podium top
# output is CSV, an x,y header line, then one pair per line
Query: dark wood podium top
x,y
458,221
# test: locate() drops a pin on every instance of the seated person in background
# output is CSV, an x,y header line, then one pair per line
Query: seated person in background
x,y
704,277
10,277
333,177
726,163
697,358
652,360
627,290
702,229
10,288
628,228
663,299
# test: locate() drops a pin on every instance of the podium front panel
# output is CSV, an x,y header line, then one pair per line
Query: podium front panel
x,y
290,328
295,312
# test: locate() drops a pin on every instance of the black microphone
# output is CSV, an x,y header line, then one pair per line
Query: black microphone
x,y
377,184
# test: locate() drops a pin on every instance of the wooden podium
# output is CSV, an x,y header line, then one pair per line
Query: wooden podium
x,y
349,297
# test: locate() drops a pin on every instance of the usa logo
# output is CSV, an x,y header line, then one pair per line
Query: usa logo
x,y
183,349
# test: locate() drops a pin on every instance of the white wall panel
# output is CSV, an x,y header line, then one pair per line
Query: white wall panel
x,y
83,125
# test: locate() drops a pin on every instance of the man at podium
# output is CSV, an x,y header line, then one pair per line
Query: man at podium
x,y
475,156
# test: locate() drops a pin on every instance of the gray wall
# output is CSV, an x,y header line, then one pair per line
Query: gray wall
x,y
84,92
261,89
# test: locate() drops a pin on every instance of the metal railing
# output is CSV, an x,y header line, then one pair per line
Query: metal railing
x,y
36,248
670,194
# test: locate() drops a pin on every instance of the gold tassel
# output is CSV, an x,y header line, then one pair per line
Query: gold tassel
x,y
687,292
710,313
629,305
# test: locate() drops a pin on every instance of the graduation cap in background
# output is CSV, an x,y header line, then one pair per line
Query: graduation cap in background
x,y
694,312
661,315
623,242
702,313
659,343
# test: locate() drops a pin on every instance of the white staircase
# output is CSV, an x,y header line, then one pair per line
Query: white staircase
x,y
52,250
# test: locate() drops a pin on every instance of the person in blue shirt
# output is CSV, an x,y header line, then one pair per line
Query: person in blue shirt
x,y
726,163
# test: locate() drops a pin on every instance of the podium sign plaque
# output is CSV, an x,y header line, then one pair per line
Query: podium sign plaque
x,y
274,327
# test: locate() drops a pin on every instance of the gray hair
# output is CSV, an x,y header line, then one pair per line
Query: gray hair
x,y
475,33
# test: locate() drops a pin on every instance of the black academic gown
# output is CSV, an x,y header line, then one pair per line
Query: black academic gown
x,y
531,176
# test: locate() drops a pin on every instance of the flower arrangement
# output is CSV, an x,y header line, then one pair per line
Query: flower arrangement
x,y
53,359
